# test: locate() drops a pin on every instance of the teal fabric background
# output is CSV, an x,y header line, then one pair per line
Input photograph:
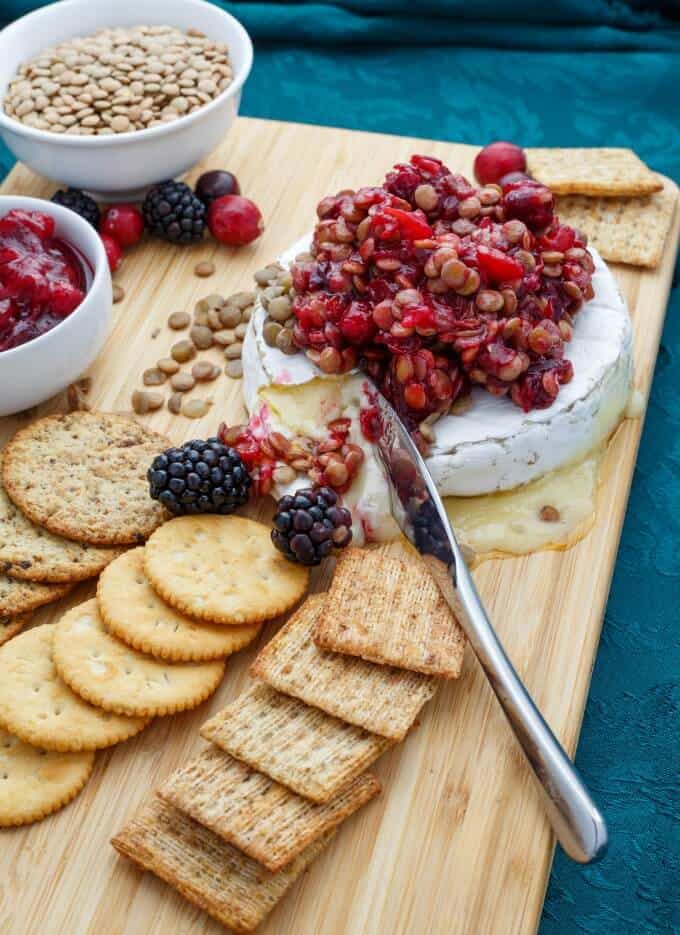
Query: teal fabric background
x,y
562,72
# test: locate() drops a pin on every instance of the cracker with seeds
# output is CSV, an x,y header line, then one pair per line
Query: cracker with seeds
x,y
10,626
224,569
83,476
40,709
231,887
31,553
107,673
384,606
592,171
382,699
35,783
134,613
20,597
260,817
623,230
300,747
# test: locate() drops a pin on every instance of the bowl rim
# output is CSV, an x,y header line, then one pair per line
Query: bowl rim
x,y
99,262
44,136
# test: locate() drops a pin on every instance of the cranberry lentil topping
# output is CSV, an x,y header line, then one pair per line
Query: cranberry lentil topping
x,y
42,279
431,285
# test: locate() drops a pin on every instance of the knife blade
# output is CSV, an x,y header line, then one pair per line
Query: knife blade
x,y
417,507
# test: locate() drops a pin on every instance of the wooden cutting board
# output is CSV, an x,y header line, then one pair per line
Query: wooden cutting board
x,y
457,843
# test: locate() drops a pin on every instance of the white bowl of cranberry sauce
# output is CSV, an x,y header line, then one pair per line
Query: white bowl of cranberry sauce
x,y
121,166
55,300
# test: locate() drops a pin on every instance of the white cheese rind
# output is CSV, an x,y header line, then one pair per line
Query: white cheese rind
x,y
494,446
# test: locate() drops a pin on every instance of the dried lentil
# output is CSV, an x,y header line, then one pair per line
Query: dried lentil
x,y
179,320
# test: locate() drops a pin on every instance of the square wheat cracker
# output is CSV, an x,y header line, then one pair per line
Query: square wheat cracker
x,y
300,747
592,171
260,817
382,699
232,888
384,606
623,230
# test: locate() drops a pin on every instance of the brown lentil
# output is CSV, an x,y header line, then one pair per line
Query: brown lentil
x,y
179,320
183,351
182,382
201,336
234,350
271,332
143,402
153,377
204,269
195,408
241,330
549,514
285,342
118,293
224,336
230,316
167,365
175,403
204,371
234,369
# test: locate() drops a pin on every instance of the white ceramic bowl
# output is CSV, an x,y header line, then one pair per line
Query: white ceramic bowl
x,y
32,372
120,167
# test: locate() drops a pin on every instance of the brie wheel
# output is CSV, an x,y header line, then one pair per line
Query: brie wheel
x,y
493,446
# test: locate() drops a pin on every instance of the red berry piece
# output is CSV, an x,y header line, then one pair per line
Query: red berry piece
x,y
529,201
411,225
496,160
498,266
235,220
511,177
114,254
124,223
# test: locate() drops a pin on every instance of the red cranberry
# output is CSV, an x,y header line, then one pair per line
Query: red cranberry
x,y
498,266
216,184
114,254
511,177
529,201
496,160
235,220
124,223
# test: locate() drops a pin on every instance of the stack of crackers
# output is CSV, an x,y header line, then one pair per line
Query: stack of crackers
x,y
166,616
624,208
341,683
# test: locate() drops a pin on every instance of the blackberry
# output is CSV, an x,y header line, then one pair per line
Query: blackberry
x,y
200,477
309,524
172,212
79,202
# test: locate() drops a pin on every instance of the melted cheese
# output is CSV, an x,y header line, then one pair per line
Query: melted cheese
x,y
510,523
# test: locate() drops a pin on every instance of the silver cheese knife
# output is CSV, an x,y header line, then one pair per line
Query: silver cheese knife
x,y
418,509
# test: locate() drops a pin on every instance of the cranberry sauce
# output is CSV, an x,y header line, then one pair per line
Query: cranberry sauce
x,y
42,278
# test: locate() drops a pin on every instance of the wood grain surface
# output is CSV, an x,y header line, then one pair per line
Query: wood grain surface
x,y
457,843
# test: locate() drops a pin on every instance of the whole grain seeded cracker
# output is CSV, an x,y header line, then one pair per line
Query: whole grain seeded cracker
x,y
623,230
384,606
382,699
31,553
40,709
109,674
259,816
592,171
19,597
231,887
134,613
10,626
34,782
83,476
224,569
300,747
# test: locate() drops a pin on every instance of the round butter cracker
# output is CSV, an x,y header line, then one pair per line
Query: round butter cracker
x,y
31,553
134,613
35,783
224,569
40,709
107,673
83,476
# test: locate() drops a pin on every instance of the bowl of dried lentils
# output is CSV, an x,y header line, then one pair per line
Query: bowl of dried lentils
x,y
114,97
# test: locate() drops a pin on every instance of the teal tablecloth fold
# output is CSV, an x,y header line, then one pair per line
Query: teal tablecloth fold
x,y
557,73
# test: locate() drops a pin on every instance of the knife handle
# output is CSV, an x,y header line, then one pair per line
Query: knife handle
x,y
576,820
